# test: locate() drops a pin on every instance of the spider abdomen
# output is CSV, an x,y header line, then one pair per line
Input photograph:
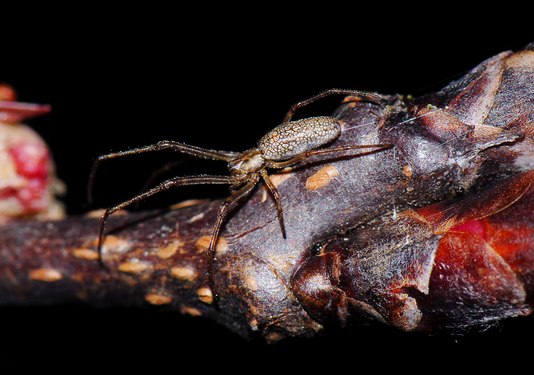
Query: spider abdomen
x,y
296,137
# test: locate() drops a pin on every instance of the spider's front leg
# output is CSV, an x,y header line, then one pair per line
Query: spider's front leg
x,y
160,146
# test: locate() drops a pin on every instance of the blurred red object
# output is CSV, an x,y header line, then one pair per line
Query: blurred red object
x,y
27,180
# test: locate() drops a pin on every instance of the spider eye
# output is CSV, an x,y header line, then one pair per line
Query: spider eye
x,y
317,248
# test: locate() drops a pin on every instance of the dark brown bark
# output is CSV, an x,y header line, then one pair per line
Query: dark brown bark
x,y
365,236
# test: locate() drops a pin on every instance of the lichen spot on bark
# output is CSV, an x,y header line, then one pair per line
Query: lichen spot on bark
x,y
113,244
251,283
184,273
351,99
222,246
45,274
203,244
193,311
86,254
97,214
158,299
133,267
197,217
205,295
169,250
279,178
407,171
323,177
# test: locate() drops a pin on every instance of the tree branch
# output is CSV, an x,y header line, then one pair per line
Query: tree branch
x,y
365,236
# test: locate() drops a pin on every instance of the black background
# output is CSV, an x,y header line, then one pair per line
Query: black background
x,y
218,78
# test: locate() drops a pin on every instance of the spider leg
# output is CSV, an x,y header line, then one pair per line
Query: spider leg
x,y
160,146
301,157
236,196
174,182
367,96
277,199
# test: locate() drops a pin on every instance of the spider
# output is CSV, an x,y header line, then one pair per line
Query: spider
x,y
284,146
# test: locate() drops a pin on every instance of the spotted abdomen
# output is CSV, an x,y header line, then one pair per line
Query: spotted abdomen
x,y
295,137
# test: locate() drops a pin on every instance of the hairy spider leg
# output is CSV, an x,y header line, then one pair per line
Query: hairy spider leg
x,y
168,184
369,96
277,199
160,146
235,197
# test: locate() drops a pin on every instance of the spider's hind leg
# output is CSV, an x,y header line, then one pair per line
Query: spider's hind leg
x,y
277,200
236,196
166,185
364,95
